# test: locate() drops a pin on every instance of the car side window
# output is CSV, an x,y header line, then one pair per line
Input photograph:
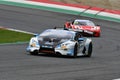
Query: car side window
x,y
72,22
77,36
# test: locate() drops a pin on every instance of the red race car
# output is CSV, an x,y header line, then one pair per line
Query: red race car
x,y
86,27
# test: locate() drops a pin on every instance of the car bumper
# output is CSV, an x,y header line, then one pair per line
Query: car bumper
x,y
32,49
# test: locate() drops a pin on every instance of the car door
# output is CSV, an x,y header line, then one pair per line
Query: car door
x,y
80,41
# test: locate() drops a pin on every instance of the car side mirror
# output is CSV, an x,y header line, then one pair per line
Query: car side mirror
x,y
97,25
80,39
67,24
35,35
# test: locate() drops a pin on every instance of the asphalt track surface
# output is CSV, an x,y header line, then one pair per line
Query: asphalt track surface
x,y
16,64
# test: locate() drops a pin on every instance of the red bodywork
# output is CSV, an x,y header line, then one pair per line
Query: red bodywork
x,y
87,30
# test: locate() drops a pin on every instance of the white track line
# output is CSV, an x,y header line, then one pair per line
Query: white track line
x,y
117,79
17,30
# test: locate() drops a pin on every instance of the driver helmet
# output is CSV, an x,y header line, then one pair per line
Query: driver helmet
x,y
76,22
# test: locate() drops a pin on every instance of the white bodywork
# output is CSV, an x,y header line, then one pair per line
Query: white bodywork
x,y
33,45
64,48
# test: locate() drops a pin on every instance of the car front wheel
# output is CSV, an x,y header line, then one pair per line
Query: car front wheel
x,y
90,50
34,52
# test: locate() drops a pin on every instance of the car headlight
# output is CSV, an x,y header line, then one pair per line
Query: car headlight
x,y
33,43
64,46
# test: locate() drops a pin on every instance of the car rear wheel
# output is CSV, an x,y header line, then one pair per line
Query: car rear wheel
x,y
89,50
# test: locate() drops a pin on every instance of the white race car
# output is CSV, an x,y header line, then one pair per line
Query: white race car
x,y
62,42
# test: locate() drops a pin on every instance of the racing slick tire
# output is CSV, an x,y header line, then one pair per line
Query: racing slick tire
x,y
75,50
34,52
89,50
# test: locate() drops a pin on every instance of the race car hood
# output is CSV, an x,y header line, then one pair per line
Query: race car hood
x,y
90,28
53,37
51,42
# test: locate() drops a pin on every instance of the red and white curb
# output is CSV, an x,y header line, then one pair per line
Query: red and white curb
x,y
93,10
47,5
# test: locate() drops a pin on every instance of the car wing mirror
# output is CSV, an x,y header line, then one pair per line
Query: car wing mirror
x,y
80,39
67,23
35,35
97,25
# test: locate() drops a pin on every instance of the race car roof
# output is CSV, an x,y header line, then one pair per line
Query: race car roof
x,y
58,32
88,22
82,20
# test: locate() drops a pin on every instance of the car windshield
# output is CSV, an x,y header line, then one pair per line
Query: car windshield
x,y
57,34
83,23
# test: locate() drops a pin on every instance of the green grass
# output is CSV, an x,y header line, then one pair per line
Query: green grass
x,y
7,36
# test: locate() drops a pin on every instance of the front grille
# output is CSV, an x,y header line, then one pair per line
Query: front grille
x,y
47,50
